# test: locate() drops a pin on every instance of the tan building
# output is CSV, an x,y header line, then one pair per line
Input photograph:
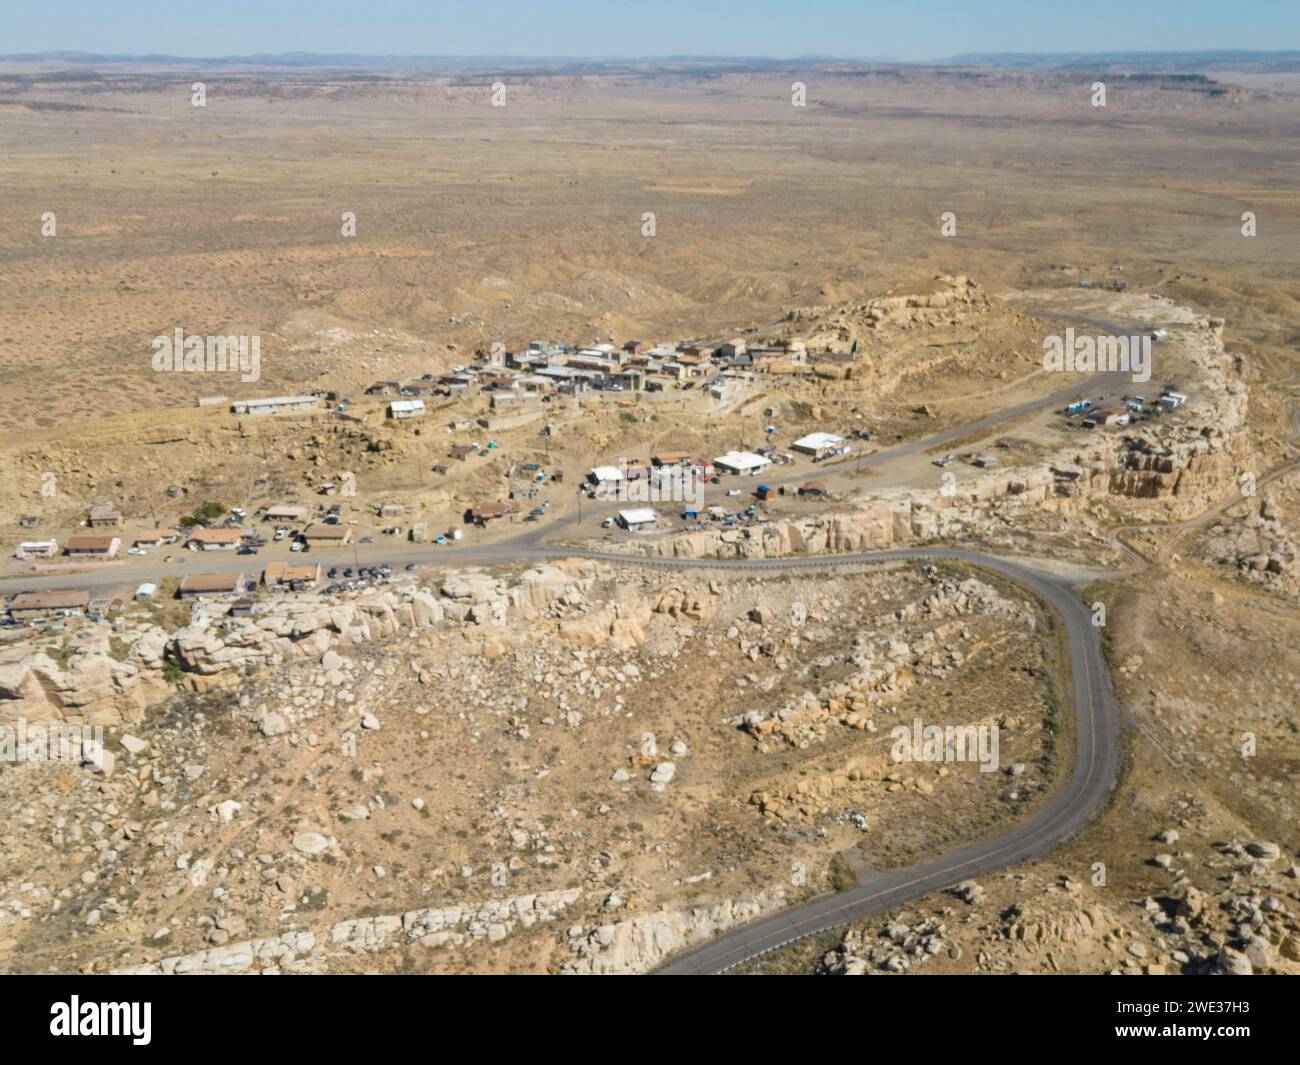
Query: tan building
x,y
322,535
202,539
156,537
102,514
87,545
482,513
28,605
288,512
281,573
199,584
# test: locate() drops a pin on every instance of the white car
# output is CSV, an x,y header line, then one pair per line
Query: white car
x,y
280,534
135,551
733,491
296,546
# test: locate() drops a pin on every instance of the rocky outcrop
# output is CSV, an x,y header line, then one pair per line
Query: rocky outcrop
x,y
642,942
99,684
297,952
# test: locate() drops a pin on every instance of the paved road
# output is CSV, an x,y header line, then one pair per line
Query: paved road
x,y
1091,779
1096,759
532,537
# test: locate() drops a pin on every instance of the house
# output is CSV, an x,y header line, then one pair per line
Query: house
x,y
986,461
241,607
202,539
196,585
602,475
732,348
288,512
156,537
817,444
482,513
28,605
102,514
328,535
402,409
669,458
29,521
813,488
461,452
744,463
281,573
384,388
37,549
1107,416
639,519
87,546
146,591
275,405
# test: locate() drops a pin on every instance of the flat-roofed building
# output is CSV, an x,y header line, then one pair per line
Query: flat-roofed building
x,y
639,519
817,443
483,513
288,512
202,539
322,535
742,462
605,475
88,545
27,605
277,574
102,514
37,549
402,409
195,585
275,405
155,537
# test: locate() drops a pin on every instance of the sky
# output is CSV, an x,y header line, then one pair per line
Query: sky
x,y
904,30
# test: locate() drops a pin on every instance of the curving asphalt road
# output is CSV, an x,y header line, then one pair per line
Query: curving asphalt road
x,y
1091,779
1096,759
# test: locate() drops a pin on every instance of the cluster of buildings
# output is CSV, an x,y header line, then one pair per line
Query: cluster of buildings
x,y
543,368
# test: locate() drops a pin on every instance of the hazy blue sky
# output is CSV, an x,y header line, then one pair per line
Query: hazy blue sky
x,y
900,29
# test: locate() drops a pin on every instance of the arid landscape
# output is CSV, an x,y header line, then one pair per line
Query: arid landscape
x,y
474,711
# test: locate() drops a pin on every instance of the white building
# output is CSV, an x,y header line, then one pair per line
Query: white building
x,y
605,475
742,462
817,443
406,408
274,405
146,591
639,519
37,549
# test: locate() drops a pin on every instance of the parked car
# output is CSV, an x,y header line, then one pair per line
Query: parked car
x,y
281,532
297,545
333,572
733,491
410,567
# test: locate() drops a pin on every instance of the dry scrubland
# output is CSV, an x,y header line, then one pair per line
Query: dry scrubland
x,y
477,222
479,801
